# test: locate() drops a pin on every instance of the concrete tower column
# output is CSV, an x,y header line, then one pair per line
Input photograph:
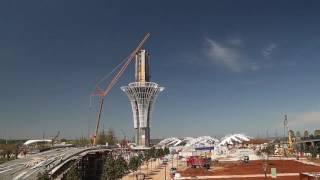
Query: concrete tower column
x,y
142,94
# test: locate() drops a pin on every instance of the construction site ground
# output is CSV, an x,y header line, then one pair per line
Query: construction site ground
x,y
286,169
158,171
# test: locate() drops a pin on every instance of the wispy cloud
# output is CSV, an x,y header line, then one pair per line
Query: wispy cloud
x,y
222,55
231,55
235,42
268,50
234,55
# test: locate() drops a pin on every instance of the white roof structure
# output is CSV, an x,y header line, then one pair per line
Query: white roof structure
x,y
172,141
189,141
33,141
203,141
233,138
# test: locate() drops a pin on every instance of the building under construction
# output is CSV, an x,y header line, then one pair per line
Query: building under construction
x,y
142,94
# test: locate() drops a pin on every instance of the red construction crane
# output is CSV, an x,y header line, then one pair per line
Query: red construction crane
x,y
103,93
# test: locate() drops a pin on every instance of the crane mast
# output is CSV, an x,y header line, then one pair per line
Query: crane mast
x,y
102,94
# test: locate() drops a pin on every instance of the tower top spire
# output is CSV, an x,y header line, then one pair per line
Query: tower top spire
x,y
142,72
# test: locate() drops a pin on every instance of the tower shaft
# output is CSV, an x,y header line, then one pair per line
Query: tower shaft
x,y
142,94
142,66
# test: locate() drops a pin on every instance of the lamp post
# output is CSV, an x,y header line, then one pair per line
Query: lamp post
x,y
165,172
172,160
177,160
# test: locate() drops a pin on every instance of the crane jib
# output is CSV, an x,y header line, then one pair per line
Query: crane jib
x,y
115,80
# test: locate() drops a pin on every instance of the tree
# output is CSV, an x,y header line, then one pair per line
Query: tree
x,y
269,150
152,152
110,137
306,134
161,152
109,168
121,166
311,136
102,138
73,173
124,143
146,158
134,163
313,151
259,153
166,151
316,133
9,149
140,159
82,141
291,132
43,176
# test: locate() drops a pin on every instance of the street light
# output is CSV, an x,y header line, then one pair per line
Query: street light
x,y
177,159
165,172
172,160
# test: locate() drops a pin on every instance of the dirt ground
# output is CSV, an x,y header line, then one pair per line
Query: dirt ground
x,y
316,161
253,167
158,172
256,178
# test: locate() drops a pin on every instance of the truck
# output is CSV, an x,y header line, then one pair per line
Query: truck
x,y
199,161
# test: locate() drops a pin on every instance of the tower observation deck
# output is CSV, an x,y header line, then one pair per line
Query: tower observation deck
x,y
142,94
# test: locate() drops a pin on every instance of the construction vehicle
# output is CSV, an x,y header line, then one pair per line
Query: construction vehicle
x,y
290,143
244,159
199,161
173,171
103,93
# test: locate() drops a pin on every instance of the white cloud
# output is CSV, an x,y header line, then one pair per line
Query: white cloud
x,y
254,66
235,42
226,56
230,55
268,50
233,55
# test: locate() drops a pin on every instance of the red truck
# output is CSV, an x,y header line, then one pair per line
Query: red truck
x,y
199,161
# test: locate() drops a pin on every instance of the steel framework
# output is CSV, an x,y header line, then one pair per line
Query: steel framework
x,y
142,96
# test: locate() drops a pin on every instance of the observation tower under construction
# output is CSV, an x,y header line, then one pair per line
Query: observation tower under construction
x,y
142,94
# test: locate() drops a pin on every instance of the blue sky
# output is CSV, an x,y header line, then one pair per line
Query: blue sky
x,y
228,66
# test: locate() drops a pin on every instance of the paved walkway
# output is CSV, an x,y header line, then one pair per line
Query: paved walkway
x,y
238,176
158,172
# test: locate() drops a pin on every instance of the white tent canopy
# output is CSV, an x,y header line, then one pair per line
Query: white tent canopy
x,y
33,141
233,138
203,141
